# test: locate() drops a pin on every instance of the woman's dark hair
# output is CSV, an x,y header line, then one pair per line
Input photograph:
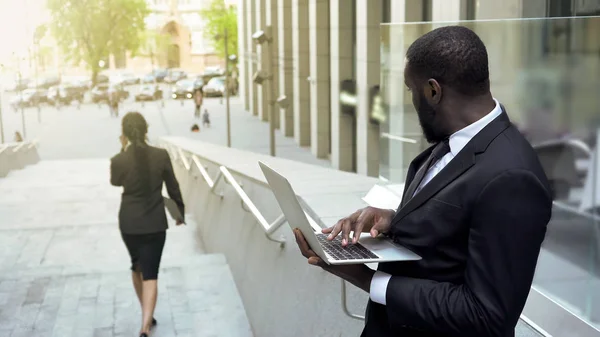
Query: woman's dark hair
x,y
135,129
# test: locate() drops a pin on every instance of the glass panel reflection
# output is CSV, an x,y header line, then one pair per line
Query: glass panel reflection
x,y
546,72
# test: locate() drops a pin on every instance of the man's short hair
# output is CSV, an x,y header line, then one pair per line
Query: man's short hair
x,y
454,56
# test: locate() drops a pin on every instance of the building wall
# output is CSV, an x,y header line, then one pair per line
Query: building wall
x,y
316,51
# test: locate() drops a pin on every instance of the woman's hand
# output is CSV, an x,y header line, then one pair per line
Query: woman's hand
x,y
124,141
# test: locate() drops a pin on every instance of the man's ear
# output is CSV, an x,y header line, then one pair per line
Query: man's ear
x,y
435,91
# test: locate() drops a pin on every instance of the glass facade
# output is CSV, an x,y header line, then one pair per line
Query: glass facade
x,y
546,72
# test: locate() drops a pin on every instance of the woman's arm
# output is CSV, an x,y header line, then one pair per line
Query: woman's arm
x,y
172,184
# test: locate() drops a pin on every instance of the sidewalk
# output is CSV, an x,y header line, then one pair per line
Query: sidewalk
x,y
65,272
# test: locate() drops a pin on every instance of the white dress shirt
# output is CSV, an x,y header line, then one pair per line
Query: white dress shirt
x,y
457,142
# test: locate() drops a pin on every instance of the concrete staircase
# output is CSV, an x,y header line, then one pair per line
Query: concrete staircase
x,y
64,269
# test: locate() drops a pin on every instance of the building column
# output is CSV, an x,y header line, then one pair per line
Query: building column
x,y
448,10
300,38
242,57
262,55
250,56
271,15
368,20
342,125
320,126
286,65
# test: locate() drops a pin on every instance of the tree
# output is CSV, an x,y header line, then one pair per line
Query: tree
x,y
218,17
91,30
155,45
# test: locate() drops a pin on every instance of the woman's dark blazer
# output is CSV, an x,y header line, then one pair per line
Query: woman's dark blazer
x,y
142,207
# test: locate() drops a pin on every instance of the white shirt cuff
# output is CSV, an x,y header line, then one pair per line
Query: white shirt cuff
x,y
378,288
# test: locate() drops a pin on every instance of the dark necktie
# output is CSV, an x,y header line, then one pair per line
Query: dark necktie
x,y
440,150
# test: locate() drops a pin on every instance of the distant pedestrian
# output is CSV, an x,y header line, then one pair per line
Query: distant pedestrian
x,y
198,99
18,137
205,118
195,128
113,103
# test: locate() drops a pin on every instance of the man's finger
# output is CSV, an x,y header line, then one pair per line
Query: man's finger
x,y
357,231
380,226
327,230
346,228
335,230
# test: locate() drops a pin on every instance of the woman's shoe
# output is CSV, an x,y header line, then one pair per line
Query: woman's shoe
x,y
154,322
143,334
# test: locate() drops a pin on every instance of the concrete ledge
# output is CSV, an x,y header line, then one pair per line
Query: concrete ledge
x,y
281,293
15,156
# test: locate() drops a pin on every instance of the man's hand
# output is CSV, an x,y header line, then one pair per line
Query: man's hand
x,y
357,274
369,219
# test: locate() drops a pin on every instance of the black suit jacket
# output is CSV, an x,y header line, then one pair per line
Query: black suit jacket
x,y
478,226
142,207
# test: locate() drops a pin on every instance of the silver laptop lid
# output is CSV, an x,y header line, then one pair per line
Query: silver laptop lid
x,y
288,202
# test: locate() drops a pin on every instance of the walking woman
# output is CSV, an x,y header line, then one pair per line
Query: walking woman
x,y
141,170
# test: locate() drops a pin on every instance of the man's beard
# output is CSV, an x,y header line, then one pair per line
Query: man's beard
x,y
427,114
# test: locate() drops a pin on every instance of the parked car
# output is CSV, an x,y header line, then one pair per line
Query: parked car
x,y
216,87
130,78
184,89
175,75
159,74
149,93
65,94
29,97
100,92
150,78
20,85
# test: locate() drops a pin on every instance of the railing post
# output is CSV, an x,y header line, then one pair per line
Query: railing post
x,y
345,304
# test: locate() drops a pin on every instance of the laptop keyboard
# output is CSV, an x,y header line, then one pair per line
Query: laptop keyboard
x,y
351,252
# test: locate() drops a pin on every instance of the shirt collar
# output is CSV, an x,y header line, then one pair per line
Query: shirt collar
x,y
460,138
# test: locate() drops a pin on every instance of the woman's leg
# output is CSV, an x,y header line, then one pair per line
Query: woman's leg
x,y
132,242
149,296
136,277
151,254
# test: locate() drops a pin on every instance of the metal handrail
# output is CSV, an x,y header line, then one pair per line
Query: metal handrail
x,y
19,147
186,164
4,147
345,304
203,171
269,228
212,184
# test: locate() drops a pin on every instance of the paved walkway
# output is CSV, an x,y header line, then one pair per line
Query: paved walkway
x,y
64,270
69,133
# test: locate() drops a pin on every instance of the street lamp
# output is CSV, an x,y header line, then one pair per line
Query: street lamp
x,y
263,37
1,119
227,84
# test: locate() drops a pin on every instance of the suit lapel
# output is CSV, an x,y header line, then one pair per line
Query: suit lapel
x,y
457,166
413,168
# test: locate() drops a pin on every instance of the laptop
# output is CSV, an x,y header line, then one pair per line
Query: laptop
x,y
367,250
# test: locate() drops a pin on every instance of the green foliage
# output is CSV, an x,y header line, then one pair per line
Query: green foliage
x,y
155,44
91,30
218,17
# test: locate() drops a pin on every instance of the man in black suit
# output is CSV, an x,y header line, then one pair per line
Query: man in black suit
x,y
475,207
